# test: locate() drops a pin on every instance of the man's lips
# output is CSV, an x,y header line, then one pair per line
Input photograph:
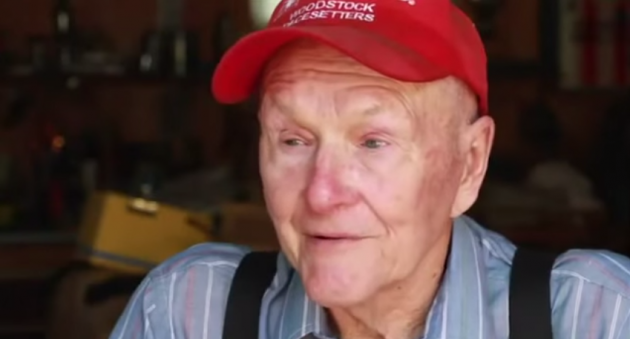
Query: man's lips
x,y
331,243
335,236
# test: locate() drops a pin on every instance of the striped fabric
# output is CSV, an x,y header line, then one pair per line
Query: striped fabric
x,y
185,297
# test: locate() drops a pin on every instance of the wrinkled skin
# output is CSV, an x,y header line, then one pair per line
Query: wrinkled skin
x,y
362,177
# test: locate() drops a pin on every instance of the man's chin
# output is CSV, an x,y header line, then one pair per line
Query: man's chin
x,y
336,285
334,296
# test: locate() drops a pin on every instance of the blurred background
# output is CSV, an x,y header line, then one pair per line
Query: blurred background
x,y
114,155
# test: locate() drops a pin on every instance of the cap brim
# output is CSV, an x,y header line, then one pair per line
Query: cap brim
x,y
237,75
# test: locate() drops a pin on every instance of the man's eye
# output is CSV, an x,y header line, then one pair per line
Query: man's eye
x,y
374,143
293,142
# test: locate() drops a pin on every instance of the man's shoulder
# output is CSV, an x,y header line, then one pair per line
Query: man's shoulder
x,y
590,294
187,294
597,269
218,257
601,269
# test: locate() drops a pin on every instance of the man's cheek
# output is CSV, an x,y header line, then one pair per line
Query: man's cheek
x,y
387,165
284,172
283,183
393,191
386,175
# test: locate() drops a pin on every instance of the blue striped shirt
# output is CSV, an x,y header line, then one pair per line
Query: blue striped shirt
x,y
186,296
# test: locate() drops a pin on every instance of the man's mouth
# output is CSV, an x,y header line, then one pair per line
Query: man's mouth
x,y
327,241
326,237
334,236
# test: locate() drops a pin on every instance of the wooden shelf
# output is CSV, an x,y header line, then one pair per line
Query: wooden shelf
x,y
75,79
21,255
508,69
28,262
21,329
12,238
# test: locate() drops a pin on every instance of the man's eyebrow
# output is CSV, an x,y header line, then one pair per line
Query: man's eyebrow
x,y
373,110
387,99
282,107
278,105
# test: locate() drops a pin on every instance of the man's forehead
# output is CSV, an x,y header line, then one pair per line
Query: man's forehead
x,y
290,65
320,73
311,56
306,61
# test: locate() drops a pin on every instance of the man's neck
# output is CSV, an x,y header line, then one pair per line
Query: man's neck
x,y
399,311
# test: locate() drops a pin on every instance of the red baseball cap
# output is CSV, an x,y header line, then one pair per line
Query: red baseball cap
x,y
407,40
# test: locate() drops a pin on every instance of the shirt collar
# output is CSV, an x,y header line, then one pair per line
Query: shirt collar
x,y
458,311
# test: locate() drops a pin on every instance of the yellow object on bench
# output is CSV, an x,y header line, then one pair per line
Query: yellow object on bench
x,y
133,234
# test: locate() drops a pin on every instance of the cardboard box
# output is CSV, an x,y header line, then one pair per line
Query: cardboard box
x,y
246,224
134,235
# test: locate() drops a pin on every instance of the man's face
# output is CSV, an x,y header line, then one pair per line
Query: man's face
x,y
361,173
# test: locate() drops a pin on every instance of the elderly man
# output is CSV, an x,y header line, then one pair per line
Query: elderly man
x,y
375,139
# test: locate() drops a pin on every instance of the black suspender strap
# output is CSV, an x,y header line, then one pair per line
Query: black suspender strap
x,y
530,294
252,278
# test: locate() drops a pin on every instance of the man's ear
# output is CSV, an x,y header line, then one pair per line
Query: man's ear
x,y
476,144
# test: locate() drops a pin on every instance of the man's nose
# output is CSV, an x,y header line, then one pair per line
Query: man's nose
x,y
328,191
